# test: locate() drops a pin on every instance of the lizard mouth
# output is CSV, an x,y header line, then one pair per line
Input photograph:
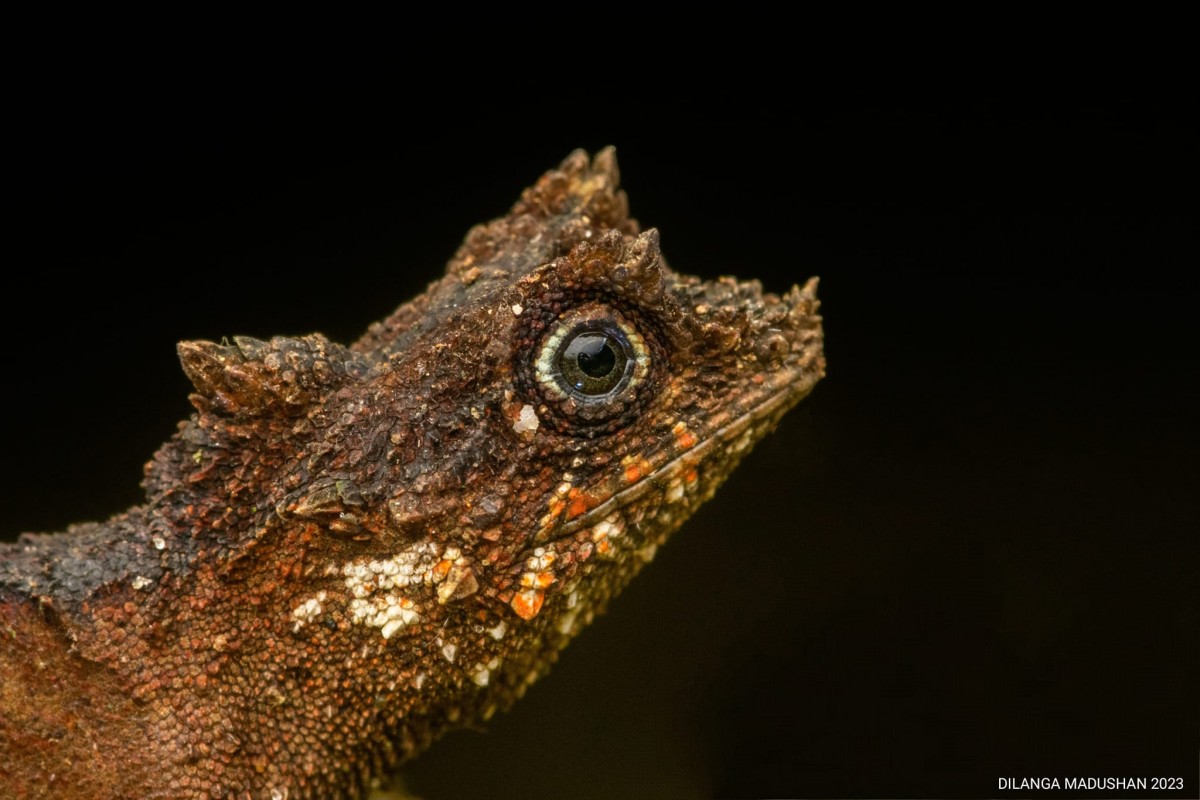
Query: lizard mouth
x,y
737,431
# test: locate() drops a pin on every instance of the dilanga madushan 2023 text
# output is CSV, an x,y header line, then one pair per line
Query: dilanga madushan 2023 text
x,y
1091,784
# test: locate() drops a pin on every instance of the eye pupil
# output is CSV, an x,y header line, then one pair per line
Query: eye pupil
x,y
595,355
594,362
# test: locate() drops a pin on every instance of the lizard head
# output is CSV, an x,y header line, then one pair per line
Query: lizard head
x,y
452,497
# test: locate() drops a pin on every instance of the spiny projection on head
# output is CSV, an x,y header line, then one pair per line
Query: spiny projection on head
x,y
347,551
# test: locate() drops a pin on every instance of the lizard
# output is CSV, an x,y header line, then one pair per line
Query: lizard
x,y
346,551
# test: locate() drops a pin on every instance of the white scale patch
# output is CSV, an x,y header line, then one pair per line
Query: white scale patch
x,y
483,672
389,613
528,421
309,610
541,559
373,584
613,525
607,533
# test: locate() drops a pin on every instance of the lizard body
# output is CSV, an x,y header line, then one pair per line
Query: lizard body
x,y
347,551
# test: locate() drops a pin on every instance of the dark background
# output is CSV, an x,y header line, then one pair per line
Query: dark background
x,y
970,554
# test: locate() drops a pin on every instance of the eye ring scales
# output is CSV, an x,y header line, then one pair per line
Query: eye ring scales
x,y
591,366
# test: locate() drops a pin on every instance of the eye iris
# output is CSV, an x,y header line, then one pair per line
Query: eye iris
x,y
593,362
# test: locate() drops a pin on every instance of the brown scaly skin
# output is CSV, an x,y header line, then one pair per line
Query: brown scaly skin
x,y
347,551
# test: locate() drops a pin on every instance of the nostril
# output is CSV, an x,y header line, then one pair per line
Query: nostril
x,y
772,348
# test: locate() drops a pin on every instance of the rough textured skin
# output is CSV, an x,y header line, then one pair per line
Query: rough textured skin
x,y
347,551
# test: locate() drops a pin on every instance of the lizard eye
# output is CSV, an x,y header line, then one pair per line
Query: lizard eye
x,y
591,367
592,355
